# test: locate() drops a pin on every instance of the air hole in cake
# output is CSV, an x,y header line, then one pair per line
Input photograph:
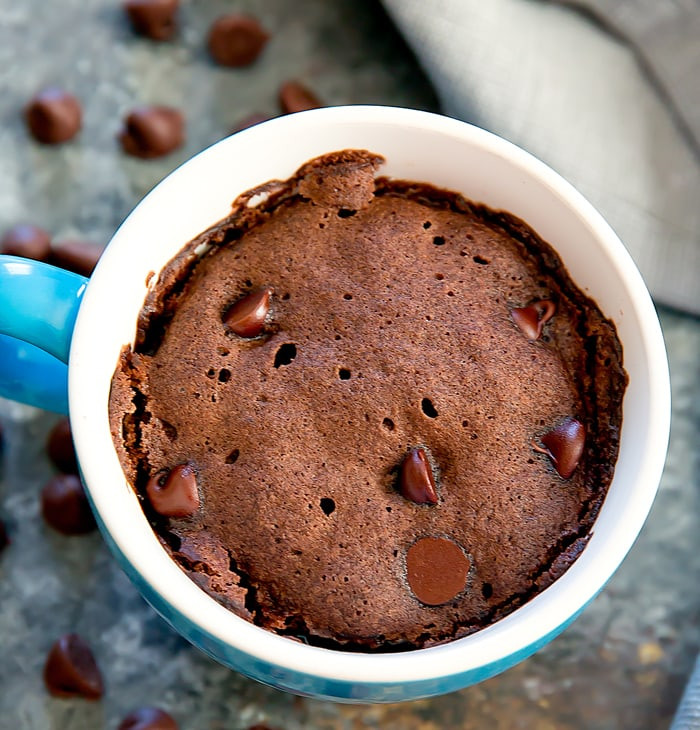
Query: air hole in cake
x,y
223,351
346,213
327,505
480,260
486,590
439,241
321,225
338,337
224,375
465,424
285,354
463,253
450,293
388,509
233,234
347,297
388,424
344,374
285,297
427,225
232,458
428,408
169,429
211,373
439,277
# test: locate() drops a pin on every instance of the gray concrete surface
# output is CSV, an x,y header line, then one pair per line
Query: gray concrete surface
x,y
621,666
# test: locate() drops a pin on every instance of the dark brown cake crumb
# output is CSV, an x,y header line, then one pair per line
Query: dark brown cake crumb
x,y
390,332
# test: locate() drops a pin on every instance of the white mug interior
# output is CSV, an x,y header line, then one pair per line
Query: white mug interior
x,y
417,146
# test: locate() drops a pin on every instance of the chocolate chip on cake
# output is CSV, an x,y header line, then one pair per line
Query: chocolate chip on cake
x,y
60,449
154,19
564,446
532,319
152,131
71,669
148,718
81,257
26,240
416,481
436,569
53,116
246,317
65,506
174,493
295,97
236,40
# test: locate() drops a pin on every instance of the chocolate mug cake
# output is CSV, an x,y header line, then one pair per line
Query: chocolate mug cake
x,y
366,413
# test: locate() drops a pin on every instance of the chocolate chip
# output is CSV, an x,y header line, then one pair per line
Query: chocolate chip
x,y
80,257
531,319
152,131
295,97
71,669
564,446
416,480
246,317
154,19
65,506
436,569
250,121
53,116
26,240
236,40
174,493
60,449
148,718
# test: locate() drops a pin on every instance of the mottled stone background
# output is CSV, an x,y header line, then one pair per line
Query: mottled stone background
x,y
621,666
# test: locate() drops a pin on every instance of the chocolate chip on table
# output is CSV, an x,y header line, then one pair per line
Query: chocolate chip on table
x,y
53,116
436,569
65,506
532,319
152,131
26,240
154,19
246,317
564,446
295,97
416,481
81,257
71,669
250,121
174,493
148,718
236,40
60,449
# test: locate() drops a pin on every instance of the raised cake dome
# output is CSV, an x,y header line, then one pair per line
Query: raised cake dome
x,y
369,413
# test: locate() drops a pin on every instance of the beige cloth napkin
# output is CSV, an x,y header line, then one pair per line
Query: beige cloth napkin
x,y
607,92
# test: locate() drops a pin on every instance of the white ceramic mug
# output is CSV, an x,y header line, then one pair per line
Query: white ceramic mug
x,y
417,146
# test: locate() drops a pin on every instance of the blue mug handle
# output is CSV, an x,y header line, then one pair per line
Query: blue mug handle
x,y
38,307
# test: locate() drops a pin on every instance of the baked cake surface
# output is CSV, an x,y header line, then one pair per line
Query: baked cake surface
x,y
388,353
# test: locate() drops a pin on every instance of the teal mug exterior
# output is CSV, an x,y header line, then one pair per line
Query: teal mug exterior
x,y
60,338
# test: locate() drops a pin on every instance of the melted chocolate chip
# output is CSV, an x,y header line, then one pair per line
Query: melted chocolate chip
x,y
532,319
295,97
77,256
152,131
246,317
174,493
236,40
60,449
148,718
564,446
53,116
71,669
416,480
26,240
436,569
154,19
65,506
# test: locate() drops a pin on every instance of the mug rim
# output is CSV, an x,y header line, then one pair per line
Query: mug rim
x,y
525,626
